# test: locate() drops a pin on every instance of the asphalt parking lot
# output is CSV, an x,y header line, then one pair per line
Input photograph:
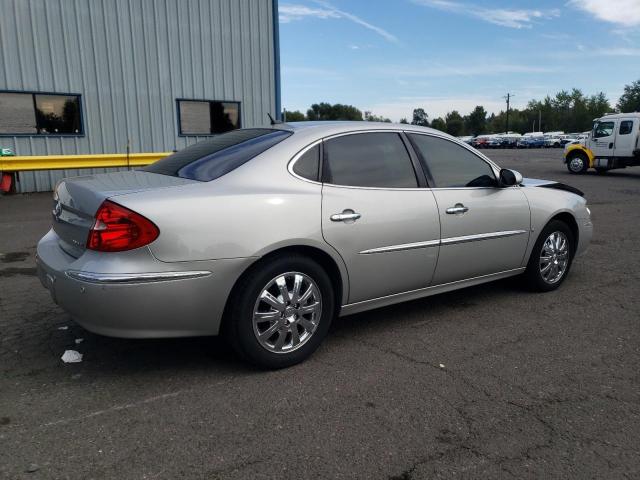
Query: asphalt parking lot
x,y
487,382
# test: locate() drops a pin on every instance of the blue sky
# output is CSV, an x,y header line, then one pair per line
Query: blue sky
x,y
390,56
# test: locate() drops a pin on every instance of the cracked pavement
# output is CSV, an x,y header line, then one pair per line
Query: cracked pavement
x,y
531,385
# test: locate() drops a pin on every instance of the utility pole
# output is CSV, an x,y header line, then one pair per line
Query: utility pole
x,y
508,97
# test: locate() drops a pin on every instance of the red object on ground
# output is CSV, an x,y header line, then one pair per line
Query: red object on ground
x,y
5,182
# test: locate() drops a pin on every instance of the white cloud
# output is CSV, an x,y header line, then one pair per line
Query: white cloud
x,y
289,13
505,17
620,12
435,70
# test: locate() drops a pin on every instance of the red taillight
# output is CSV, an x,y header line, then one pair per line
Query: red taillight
x,y
117,229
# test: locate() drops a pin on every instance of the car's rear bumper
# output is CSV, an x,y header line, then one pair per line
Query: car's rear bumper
x,y
134,295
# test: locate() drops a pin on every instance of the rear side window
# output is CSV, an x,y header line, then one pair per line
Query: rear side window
x,y
625,127
308,165
215,157
369,160
451,165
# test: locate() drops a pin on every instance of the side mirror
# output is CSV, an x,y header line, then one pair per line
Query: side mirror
x,y
509,178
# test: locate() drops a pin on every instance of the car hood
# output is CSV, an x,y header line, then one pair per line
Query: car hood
x,y
537,182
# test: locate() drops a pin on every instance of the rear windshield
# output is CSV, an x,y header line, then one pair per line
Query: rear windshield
x,y
215,157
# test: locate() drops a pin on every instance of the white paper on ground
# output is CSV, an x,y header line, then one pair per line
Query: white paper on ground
x,y
71,356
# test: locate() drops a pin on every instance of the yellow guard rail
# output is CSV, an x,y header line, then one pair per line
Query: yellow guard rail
x,y
61,162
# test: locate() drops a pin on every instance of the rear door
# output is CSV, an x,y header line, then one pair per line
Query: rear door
x,y
628,132
376,214
603,138
484,229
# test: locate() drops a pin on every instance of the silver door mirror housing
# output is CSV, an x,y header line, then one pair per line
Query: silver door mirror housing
x,y
509,178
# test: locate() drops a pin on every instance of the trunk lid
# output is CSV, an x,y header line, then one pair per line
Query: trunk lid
x,y
77,199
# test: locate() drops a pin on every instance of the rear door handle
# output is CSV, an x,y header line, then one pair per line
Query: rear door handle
x,y
345,216
457,209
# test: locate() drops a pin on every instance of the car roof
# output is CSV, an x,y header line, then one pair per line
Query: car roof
x,y
330,127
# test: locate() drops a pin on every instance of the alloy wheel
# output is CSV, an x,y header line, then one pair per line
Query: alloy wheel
x,y
554,257
287,312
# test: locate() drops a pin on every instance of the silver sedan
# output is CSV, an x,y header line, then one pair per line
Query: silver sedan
x,y
267,234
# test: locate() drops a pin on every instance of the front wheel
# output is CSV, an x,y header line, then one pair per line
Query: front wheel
x,y
280,312
551,257
577,163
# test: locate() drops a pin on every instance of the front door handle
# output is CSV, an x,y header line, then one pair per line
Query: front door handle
x,y
345,216
457,209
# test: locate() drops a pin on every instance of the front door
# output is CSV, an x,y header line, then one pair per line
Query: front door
x,y
603,138
484,229
628,131
375,215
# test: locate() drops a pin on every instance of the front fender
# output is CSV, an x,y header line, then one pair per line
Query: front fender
x,y
582,148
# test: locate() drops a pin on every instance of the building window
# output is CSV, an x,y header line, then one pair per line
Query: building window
x,y
31,113
207,117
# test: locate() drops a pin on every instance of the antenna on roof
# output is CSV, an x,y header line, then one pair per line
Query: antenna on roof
x,y
272,120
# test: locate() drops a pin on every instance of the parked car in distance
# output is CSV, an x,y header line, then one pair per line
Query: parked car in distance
x,y
265,235
552,142
467,139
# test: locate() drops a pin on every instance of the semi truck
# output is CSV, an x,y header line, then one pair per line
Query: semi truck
x,y
612,143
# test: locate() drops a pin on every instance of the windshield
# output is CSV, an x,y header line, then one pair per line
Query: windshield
x,y
215,157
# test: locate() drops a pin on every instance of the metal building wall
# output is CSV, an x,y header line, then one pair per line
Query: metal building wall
x,y
130,60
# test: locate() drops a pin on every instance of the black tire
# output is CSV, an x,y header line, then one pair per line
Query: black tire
x,y
532,275
238,328
577,163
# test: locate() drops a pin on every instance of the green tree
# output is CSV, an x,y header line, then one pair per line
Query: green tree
x,y
326,111
439,124
420,118
455,123
370,117
403,120
295,116
476,121
630,99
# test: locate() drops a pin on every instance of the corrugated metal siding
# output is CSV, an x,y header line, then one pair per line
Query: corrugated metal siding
x,y
130,60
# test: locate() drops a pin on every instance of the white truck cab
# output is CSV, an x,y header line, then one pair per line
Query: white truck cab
x,y
612,143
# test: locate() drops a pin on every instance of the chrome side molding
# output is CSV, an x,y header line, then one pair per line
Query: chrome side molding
x,y
481,236
444,241
118,278
404,246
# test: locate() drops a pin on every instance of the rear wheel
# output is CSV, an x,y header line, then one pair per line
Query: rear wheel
x,y
551,257
577,163
280,312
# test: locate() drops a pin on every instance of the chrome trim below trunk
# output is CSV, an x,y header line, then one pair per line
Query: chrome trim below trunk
x,y
114,278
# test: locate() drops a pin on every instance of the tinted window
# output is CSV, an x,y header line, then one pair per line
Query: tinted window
x,y
39,114
452,165
369,160
308,164
210,159
207,117
603,129
626,126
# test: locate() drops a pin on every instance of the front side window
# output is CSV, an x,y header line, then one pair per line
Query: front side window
x,y
39,114
625,127
451,165
369,160
207,117
215,157
603,129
